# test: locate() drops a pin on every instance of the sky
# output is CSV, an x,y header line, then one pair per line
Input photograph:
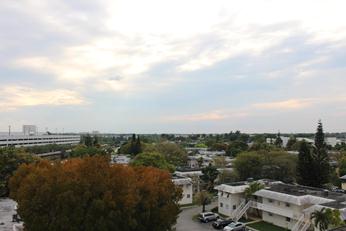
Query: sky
x,y
158,66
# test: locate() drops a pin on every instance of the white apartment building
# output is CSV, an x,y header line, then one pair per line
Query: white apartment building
x,y
185,184
284,205
120,159
26,141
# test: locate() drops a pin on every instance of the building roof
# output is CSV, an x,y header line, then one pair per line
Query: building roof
x,y
300,195
343,228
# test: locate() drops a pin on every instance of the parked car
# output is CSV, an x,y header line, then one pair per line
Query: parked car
x,y
208,216
221,223
235,226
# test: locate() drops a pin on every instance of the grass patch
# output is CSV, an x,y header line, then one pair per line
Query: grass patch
x,y
187,205
264,226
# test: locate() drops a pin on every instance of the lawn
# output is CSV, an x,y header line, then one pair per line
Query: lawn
x,y
264,226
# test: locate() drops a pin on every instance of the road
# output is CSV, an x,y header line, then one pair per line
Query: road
x,y
185,222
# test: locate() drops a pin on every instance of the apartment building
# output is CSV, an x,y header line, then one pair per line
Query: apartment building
x,y
185,184
284,205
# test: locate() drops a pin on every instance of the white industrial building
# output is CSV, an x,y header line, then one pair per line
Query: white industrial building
x,y
185,184
34,140
284,205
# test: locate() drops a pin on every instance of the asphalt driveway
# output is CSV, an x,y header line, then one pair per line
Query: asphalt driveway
x,y
185,222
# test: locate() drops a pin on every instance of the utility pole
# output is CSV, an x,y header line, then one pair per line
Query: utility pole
x,y
9,130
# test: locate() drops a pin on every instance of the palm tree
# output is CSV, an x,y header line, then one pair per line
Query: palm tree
x,y
321,219
253,187
250,191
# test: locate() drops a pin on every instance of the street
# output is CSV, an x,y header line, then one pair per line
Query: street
x,y
185,222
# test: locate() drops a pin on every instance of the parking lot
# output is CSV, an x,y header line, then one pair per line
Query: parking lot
x,y
6,212
185,220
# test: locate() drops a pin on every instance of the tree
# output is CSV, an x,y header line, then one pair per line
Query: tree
x,y
236,147
91,194
278,141
210,173
253,187
248,164
325,218
321,160
10,160
305,166
203,198
153,159
200,162
290,143
88,141
342,166
96,140
83,150
320,219
174,154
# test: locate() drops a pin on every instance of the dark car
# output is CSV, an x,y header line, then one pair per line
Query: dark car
x,y
221,223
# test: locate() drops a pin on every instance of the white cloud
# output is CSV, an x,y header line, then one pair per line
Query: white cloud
x,y
13,97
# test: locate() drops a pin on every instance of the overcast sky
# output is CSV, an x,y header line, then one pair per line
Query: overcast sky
x,y
182,66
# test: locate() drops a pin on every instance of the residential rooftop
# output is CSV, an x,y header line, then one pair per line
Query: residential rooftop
x,y
299,190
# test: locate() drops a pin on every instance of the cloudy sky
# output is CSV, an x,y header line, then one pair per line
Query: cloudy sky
x,y
152,66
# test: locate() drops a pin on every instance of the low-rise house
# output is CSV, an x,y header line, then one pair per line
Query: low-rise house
x,y
343,182
284,205
192,173
185,184
120,159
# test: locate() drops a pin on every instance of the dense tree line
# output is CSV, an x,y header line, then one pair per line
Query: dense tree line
x,y
90,194
277,165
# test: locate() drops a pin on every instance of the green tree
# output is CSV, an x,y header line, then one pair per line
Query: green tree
x,y
83,150
278,141
203,198
342,166
236,147
305,166
326,218
91,194
88,140
321,159
10,160
210,174
291,142
172,152
321,219
248,164
252,189
153,159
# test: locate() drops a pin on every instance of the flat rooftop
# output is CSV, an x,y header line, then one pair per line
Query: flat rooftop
x,y
299,190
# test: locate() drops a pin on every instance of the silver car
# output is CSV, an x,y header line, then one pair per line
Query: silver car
x,y
208,216
235,226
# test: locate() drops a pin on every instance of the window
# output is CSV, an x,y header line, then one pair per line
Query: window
x,y
270,214
188,195
227,195
288,219
270,200
234,207
287,204
221,205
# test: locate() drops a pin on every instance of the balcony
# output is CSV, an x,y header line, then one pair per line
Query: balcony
x,y
275,210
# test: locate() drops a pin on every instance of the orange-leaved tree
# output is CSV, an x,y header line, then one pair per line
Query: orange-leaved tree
x,y
91,194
